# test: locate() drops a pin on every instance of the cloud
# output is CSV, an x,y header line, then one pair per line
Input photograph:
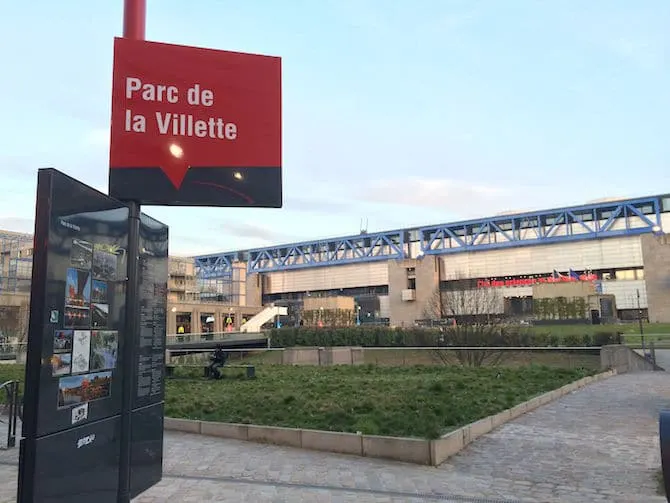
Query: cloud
x,y
644,52
98,138
310,204
17,224
446,194
257,233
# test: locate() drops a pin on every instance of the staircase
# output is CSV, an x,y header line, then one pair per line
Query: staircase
x,y
267,314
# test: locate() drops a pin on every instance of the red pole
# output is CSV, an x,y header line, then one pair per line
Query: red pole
x,y
134,19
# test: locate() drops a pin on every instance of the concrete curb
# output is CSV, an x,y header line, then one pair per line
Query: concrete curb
x,y
410,450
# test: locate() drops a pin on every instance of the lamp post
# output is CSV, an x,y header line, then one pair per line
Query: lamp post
x,y
358,315
639,319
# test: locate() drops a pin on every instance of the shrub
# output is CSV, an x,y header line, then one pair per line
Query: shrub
x,y
425,337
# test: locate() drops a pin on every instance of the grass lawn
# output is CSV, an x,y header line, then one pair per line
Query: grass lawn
x,y
414,401
398,401
624,328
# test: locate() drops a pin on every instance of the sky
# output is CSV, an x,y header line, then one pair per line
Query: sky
x,y
395,113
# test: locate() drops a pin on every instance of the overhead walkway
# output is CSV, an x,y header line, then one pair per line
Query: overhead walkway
x,y
267,314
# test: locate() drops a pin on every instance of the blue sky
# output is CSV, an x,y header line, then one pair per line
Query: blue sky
x,y
401,113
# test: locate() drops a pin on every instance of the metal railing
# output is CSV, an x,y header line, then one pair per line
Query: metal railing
x,y
12,407
213,336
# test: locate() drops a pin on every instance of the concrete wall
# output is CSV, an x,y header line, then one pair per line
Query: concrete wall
x,y
323,356
426,271
330,303
568,290
623,359
656,252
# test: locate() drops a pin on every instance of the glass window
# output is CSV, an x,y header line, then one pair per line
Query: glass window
x,y
640,273
625,274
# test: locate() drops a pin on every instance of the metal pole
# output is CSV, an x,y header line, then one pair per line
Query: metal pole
x,y
639,319
134,27
134,19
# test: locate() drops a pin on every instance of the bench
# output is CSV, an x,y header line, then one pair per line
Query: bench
x,y
250,369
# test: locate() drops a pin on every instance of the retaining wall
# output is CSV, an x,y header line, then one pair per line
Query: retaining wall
x,y
624,359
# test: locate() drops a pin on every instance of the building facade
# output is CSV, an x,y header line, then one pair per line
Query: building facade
x,y
196,306
617,249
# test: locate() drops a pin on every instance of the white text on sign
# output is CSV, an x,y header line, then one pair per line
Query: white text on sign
x,y
176,124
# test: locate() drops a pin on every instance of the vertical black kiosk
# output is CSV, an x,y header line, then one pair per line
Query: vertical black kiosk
x,y
75,370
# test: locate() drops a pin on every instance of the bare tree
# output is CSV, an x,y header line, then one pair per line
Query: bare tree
x,y
470,318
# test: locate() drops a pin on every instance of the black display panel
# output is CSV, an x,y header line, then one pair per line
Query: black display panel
x,y
79,465
146,457
77,333
74,376
153,273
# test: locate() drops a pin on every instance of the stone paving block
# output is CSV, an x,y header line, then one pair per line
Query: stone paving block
x,y
343,443
413,450
273,435
225,430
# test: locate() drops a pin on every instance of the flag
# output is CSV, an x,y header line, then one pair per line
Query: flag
x,y
574,275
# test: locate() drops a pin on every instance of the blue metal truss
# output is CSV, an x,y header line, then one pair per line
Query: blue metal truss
x,y
219,265
347,250
594,221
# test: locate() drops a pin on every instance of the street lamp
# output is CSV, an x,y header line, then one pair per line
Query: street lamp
x,y
639,318
358,315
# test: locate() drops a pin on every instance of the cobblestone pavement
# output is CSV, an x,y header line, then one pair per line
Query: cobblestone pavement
x,y
596,444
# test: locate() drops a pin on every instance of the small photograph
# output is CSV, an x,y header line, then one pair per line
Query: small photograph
x,y
99,293
104,265
63,341
99,315
61,364
78,288
77,317
81,351
79,413
104,349
81,254
77,390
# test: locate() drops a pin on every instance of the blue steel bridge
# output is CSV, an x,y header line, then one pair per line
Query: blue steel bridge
x,y
627,217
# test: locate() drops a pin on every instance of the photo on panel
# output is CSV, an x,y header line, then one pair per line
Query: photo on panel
x,y
76,390
104,349
81,351
99,315
63,341
77,317
99,293
78,288
81,254
61,364
104,264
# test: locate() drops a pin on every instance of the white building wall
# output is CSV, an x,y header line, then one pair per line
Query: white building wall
x,y
606,253
665,222
328,278
625,293
384,306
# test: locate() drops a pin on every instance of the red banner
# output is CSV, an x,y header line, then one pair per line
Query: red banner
x,y
489,283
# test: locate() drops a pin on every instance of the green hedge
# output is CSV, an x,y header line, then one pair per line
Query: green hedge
x,y
417,337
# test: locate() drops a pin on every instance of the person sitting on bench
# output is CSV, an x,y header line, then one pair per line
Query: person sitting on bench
x,y
218,358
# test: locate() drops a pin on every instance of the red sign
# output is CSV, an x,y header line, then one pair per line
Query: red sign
x,y
486,283
206,119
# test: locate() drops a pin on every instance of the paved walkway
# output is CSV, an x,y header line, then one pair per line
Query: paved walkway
x,y
596,444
